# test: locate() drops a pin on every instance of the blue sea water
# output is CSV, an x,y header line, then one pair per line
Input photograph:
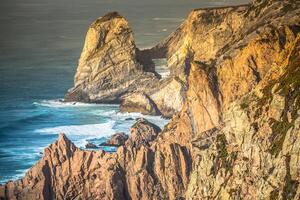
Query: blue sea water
x,y
40,43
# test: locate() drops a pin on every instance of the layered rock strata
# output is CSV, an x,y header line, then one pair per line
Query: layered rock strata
x,y
111,67
236,136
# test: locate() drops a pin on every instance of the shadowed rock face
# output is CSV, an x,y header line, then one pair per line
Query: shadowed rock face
x,y
236,136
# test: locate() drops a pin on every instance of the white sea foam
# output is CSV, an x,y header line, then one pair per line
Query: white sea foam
x,y
80,134
164,74
150,34
58,103
103,129
17,175
119,116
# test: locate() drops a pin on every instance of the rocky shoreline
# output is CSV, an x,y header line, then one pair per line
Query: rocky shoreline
x,y
234,101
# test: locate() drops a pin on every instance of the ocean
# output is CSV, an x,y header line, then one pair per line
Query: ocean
x,y
40,43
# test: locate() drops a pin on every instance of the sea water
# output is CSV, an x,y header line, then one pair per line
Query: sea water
x,y
40,43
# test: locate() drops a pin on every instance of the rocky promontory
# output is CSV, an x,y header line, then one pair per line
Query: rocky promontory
x,y
237,135
112,70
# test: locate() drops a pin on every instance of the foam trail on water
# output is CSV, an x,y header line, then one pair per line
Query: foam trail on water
x,y
58,103
80,134
103,129
157,120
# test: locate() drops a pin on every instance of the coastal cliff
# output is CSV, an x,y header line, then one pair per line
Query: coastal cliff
x,y
112,70
108,66
236,136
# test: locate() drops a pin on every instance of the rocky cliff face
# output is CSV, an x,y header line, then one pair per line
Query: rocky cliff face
x,y
111,67
108,67
236,136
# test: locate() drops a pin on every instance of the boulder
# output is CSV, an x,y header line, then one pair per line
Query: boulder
x,y
142,132
139,102
117,139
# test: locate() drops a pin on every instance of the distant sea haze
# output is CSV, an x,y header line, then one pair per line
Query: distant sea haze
x,y
40,44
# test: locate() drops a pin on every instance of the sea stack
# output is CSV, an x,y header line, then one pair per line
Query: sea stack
x,y
112,70
237,135
108,67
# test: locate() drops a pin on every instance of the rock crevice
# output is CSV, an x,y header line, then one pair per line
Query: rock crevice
x,y
235,137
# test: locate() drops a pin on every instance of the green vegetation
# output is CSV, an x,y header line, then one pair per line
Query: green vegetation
x,y
279,130
289,87
221,146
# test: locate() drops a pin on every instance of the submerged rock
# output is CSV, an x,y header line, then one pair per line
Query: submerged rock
x,y
90,146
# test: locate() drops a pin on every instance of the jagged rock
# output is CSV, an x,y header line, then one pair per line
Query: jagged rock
x,y
254,152
108,67
111,67
203,33
165,99
142,132
169,97
66,172
117,139
236,136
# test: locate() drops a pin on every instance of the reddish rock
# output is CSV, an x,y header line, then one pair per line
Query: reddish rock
x,y
236,137
117,139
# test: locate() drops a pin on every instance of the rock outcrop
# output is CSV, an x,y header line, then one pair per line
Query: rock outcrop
x,y
108,67
138,102
66,172
90,146
117,139
166,99
111,67
237,135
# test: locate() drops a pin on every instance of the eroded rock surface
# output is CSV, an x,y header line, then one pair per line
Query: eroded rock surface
x,y
108,67
66,172
117,139
236,136
111,67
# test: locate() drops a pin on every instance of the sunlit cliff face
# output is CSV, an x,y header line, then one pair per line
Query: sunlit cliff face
x,y
235,137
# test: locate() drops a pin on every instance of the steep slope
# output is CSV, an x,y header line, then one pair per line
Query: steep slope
x,y
254,154
111,67
108,67
66,172
236,136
